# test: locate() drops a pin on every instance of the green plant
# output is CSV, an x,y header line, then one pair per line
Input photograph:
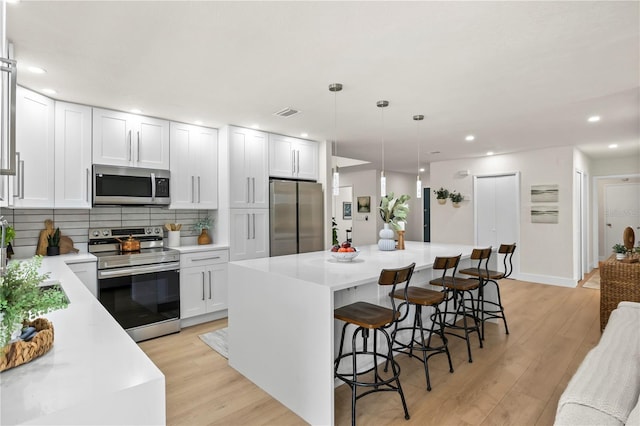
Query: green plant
x,y
441,194
619,248
394,210
334,232
456,197
54,239
9,235
21,298
204,223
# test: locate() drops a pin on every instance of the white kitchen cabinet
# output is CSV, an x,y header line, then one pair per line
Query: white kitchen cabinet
x,y
72,156
293,158
249,233
194,167
88,274
203,282
249,168
122,139
33,185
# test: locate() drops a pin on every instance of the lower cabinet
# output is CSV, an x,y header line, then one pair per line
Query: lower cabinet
x,y
203,282
88,274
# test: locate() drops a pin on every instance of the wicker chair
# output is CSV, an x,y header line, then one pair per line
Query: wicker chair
x,y
619,281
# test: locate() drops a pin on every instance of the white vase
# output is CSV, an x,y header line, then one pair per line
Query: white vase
x,y
386,241
619,256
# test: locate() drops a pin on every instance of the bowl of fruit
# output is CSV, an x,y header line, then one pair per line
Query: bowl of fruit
x,y
344,252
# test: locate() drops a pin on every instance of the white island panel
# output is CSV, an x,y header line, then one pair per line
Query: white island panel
x,y
281,326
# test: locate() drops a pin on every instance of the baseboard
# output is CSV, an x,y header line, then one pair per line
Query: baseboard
x,y
188,322
547,279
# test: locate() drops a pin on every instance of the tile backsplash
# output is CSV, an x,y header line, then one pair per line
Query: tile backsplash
x,y
76,223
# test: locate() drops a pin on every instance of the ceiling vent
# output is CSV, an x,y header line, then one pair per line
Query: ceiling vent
x,y
287,112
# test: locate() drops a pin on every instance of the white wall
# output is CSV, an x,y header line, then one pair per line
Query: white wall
x,y
346,195
546,250
627,165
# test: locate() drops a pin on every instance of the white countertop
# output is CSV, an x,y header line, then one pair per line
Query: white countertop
x,y
92,366
198,248
322,269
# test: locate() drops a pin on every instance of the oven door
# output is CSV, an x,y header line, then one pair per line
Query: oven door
x,y
142,295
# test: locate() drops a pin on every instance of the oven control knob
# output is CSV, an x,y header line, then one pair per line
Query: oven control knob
x,y
156,230
96,233
147,231
105,233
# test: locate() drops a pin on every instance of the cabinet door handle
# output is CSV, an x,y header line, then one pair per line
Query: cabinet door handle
x,y
298,162
254,189
293,162
16,180
129,148
248,190
138,148
205,258
209,285
248,226
198,189
88,184
22,179
254,226
9,73
193,189
202,285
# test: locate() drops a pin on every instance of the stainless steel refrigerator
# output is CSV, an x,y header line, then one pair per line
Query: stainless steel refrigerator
x,y
296,217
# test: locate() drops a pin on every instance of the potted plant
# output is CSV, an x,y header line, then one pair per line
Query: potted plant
x,y
393,211
456,198
22,299
54,243
620,250
441,195
202,226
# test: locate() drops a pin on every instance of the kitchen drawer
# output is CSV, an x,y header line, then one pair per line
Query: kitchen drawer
x,y
204,258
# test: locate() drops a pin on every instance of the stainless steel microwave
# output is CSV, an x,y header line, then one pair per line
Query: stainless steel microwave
x,y
116,185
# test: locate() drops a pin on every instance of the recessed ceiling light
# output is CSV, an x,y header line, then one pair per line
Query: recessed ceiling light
x,y
489,152
255,126
36,70
469,138
593,119
49,91
304,135
613,145
135,111
198,122
422,169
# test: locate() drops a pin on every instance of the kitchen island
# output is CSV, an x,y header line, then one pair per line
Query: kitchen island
x,y
282,335
93,374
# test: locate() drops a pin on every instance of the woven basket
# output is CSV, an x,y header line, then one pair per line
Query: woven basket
x,y
619,281
21,352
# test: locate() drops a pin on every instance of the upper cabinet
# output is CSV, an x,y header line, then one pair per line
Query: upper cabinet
x,y
248,164
194,167
32,186
293,158
72,156
122,139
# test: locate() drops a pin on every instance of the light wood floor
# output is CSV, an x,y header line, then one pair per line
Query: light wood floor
x,y
515,379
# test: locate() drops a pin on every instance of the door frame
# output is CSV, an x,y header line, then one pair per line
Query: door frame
x,y
580,228
517,183
596,217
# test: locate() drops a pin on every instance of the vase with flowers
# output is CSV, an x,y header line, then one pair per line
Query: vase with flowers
x,y
202,226
393,212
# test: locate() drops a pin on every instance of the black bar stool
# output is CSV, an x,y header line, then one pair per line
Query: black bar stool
x,y
460,291
419,297
367,316
495,309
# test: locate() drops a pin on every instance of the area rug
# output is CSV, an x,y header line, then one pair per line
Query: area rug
x,y
217,340
593,282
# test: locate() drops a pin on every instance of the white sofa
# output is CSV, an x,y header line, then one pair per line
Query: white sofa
x,y
606,387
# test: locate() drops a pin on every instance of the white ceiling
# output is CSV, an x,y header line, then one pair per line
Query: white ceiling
x,y
517,75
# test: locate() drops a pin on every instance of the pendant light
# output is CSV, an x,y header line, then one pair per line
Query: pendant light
x,y
335,184
418,118
383,180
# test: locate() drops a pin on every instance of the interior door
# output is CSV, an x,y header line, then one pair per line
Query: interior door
x,y
496,205
622,209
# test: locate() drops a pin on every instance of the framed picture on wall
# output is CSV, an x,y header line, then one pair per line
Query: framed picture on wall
x,y
346,210
544,193
364,204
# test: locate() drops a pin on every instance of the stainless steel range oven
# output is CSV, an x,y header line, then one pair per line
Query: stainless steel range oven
x,y
141,289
